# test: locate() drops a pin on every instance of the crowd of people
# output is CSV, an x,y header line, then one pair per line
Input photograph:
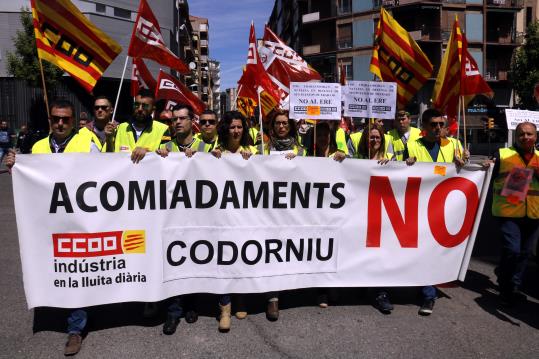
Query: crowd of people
x,y
153,128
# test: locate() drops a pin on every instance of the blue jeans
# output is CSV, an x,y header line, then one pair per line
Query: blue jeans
x,y
175,308
428,292
76,322
518,236
224,300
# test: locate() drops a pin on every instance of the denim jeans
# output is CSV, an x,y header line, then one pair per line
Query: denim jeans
x,y
518,236
428,292
76,321
224,300
175,308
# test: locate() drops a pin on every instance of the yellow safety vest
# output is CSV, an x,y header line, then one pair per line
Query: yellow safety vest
x,y
356,138
208,147
93,136
172,146
298,150
340,138
78,143
501,206
252,149
419,151
398,146
150,138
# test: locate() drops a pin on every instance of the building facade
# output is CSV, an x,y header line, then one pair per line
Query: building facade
x,y
114,17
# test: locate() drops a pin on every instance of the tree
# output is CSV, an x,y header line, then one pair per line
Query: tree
x,y
524,71
24,63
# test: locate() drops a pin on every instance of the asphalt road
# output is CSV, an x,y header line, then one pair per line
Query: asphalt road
x,y
467,321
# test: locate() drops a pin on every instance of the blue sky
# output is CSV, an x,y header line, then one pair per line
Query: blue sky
x,y
229,22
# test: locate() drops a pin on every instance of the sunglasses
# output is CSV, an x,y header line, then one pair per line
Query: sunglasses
x,y
145,106
436,124
207,122
57,119
104,108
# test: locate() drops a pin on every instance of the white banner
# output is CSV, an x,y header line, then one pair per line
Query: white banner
x,y
96,228
514,117
370,99
315,101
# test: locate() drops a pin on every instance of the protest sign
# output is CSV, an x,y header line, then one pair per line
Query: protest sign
x,y
514,117
177,225
370,99
315,100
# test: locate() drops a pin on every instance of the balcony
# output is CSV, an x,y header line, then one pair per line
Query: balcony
x,y
506,3
310,50
344,43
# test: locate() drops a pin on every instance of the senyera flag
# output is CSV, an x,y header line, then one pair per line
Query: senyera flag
x,y
445,95
256,79
170,88
147,41
141,77
283,64
459,76
67,39
396,57
245,102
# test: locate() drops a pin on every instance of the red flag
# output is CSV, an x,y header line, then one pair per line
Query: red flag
x,y
283,64
141,77
147,41
170,88
471,83
256,78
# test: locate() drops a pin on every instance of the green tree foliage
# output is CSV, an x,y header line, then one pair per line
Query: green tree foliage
x,y
525,67
23,62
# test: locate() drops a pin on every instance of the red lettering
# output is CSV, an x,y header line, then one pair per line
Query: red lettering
x,y
87,244
436,210
406,229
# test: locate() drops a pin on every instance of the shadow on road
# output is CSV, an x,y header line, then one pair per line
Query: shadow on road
x,y
526,312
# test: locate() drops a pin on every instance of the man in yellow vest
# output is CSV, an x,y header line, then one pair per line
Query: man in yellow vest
x,y
402,133
141,133
208,130
431,148
64,138
184,139
516,204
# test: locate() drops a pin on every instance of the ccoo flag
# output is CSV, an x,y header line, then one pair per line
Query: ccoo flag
x,y
396,57
67,39
141,77
170,88
147,41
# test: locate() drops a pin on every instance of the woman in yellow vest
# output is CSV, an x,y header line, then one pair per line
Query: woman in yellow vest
x,y
233,137
283,138
373,146
516,204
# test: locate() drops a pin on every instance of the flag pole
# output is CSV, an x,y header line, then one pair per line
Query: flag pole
x,y
458,119
260,121
119,89
44,87
464,122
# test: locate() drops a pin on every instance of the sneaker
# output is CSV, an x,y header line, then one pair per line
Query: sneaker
x,y
382,303
191,316
170,325
427,307
74,342
322,300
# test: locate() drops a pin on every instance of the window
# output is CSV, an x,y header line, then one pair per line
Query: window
x,y
345,6
126,14
100,8
345,36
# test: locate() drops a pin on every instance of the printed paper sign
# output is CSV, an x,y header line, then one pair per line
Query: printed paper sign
x,y
514,117
315,100
370,99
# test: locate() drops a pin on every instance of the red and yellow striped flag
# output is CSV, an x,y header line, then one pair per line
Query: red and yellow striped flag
x,y
396,57
67,39
446,92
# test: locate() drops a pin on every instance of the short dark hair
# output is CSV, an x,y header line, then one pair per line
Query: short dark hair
x,y
62,103
103,97
209,112
429,114
224,125
182,106
146,93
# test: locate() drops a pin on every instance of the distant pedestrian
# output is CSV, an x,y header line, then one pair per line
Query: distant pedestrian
x,y
6,139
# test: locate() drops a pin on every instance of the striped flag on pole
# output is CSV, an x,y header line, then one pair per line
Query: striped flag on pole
x,y
396,57
445,96
67,39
